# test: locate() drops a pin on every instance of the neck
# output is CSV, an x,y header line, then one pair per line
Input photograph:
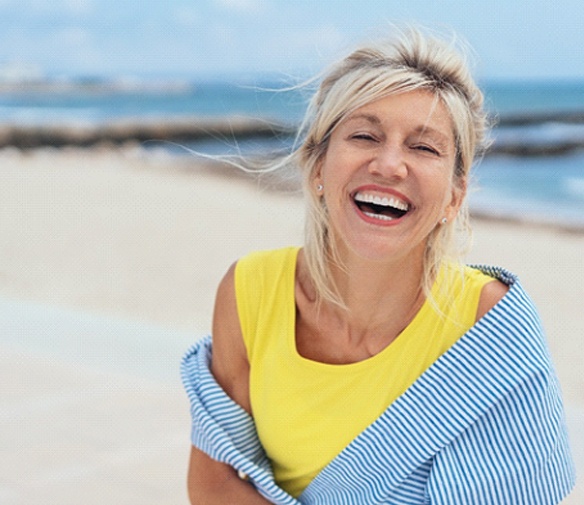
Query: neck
x,y
379,295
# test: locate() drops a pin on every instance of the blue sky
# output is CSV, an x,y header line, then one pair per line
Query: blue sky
x,y
205,38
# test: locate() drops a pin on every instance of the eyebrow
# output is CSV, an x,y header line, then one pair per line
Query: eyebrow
x,y
370,118
438,135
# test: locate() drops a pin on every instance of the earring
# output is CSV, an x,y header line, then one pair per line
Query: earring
x,y
443,220
319,188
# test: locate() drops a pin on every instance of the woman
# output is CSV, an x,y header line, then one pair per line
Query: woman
x,y
370,365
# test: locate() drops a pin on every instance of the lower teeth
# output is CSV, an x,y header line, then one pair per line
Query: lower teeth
x,y
381,217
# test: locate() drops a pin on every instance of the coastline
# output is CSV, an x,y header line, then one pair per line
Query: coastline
x,y
178,129
121,234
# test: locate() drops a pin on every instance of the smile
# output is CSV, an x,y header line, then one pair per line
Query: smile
x,y
382,208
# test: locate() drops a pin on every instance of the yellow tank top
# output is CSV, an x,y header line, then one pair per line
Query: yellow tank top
x,y
307,412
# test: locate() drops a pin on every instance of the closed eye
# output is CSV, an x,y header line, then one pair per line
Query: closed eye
x,y
427,148
364,136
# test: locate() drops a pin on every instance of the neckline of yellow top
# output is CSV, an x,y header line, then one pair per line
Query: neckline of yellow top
x,y
393,347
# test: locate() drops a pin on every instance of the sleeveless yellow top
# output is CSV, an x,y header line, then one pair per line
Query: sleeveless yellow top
x,y
307,412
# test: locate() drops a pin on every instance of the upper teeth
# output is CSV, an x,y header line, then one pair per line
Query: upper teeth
x,y
378,200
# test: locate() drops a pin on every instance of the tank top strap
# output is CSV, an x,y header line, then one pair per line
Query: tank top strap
x,y
459,303
264,288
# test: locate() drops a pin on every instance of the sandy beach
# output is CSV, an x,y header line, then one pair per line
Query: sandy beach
x,y
109,260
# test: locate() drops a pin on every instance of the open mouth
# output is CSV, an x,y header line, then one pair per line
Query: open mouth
x,y
382,208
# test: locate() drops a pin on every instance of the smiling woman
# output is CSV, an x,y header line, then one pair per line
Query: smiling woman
x,y
371,365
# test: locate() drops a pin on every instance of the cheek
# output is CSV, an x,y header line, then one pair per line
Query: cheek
x,y
331,174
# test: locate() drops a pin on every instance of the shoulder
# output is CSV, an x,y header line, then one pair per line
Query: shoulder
x,y
483,287
491,293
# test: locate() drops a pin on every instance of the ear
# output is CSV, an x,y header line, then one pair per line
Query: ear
x,y
317,176
458,194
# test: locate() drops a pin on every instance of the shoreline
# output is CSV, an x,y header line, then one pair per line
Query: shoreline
x,y
187,129
528,222
196,128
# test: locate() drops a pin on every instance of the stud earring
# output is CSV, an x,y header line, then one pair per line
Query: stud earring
x,y
319,188
443,220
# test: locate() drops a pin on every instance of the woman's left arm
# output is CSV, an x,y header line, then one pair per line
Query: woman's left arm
x,y
517,451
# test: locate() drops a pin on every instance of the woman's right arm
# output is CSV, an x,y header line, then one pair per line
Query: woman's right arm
x,y
210,481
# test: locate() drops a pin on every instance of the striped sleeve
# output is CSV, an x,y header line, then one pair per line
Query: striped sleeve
x,y
517,452
222,429
508,456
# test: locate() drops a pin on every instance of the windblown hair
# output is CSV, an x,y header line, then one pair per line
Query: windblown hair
x,y
411,61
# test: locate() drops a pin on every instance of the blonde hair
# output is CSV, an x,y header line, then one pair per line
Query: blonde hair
x,y
411,61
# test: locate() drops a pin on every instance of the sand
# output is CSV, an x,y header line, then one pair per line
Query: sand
x,y
108,265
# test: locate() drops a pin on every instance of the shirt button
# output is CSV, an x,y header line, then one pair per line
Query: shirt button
x,y
242,475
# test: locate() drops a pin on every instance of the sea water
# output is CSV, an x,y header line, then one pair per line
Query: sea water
x,y
543,189
536,188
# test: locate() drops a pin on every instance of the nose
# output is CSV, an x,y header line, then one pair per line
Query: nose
x,y
389,162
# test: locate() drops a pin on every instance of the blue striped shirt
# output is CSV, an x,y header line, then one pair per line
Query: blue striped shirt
x,y
483,425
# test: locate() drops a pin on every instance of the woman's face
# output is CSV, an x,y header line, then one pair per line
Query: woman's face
x,y
388,176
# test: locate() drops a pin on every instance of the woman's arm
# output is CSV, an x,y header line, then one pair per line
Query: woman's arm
x,y
230,365
210,481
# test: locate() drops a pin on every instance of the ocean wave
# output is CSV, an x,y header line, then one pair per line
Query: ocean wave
x,y
544,190
538,139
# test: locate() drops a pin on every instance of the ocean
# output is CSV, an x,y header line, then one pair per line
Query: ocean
x,y
534,173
